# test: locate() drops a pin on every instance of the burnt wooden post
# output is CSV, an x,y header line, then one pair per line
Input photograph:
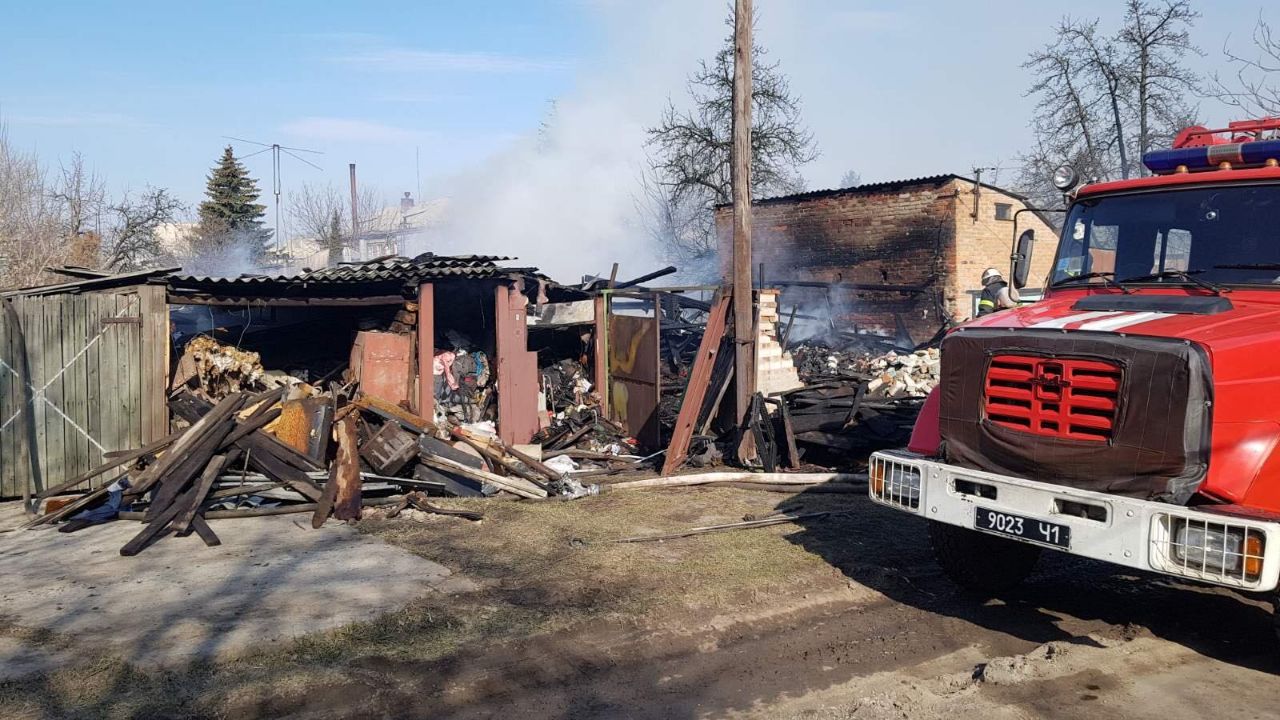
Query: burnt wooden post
x,y
426,350
743,317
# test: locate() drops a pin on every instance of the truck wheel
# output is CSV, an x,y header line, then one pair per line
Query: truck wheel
x,y
981,563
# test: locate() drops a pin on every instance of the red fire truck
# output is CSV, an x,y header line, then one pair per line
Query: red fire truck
x,y
1133,414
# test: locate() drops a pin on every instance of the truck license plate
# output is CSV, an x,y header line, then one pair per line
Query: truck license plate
x,y
1038,531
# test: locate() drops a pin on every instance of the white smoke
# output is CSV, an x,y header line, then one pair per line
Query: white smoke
x,y
564,198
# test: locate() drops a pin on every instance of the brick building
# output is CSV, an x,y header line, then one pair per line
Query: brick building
x,y
890,257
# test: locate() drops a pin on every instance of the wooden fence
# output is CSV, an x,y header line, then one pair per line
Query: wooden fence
x,y
96,365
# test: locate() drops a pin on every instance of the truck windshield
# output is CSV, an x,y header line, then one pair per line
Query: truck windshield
x,y
1223,235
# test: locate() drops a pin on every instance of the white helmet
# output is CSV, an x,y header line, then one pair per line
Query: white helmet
x,y
990,275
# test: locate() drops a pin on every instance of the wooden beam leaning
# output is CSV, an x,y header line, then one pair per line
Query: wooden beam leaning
x,y
346,471
696,389
203,485
111,464
179,448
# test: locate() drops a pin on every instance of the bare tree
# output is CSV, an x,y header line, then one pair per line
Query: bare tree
x,y
682,225
1103,100
83,197
690,149
851,178
30,226
1253,86
323,213
69,220
132,240
1156,39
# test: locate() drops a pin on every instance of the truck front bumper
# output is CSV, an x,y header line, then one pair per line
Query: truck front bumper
x,y
1200,544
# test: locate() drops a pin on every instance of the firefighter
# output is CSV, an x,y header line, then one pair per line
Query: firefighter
x,y
995,293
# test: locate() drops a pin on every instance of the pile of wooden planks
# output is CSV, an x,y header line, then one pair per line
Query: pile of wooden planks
x,y
182,479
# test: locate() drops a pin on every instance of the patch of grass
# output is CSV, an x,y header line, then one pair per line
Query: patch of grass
x,y
541,567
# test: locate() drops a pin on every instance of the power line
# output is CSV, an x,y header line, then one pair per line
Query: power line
x,y
276,179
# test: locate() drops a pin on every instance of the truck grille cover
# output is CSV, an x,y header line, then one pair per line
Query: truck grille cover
x,y
1057,397
1123,414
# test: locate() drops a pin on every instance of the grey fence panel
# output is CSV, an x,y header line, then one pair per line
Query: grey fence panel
x,y
96,382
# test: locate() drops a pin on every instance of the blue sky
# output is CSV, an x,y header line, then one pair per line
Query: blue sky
x,y
145,90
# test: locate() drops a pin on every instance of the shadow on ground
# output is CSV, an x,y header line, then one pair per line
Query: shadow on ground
x,y
1065,599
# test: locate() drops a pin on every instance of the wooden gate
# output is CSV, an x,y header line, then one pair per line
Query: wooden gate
x,y
96,365
635,375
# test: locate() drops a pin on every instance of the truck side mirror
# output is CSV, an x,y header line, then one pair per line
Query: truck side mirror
x,y
1022,259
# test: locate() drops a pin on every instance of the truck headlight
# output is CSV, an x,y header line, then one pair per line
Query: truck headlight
x,y
1218,548
894,483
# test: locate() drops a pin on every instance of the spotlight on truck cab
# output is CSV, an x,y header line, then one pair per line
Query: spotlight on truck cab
x,y
1065,178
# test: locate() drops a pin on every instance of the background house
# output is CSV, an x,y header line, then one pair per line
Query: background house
x,y
892,256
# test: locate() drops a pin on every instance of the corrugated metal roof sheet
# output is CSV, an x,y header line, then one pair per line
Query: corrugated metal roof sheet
x,y
875,187
99,283
388,269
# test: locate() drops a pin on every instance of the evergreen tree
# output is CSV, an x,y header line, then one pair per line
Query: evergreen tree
x,y
231,214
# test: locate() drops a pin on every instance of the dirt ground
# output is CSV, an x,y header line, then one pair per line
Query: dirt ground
x,y
840,617
272,579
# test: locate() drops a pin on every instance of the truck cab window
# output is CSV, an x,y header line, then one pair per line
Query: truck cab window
x,y
1227,235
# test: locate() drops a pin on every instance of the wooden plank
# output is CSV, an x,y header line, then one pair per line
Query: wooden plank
x,y
205,532
155,343
262,458
77,402
449,483
10,403
346,471
133,389
33,332
425,405
157,527
793,454
146,420
696,389
600,352
324,504
203,485
518,486
92,362
55,461
188,440
108,428
193,461
24,437
112,463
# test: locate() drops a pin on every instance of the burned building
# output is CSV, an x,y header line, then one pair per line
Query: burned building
x,y
891,258
91,369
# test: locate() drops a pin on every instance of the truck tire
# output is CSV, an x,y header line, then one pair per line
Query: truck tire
x,y
980,563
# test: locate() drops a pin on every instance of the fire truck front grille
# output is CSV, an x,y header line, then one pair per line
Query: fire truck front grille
x,y
1065,398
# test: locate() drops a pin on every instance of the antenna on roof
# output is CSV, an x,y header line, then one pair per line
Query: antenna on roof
x,y
276,149
977,187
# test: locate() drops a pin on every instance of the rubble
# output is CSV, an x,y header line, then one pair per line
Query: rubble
x,y
889,375
220,369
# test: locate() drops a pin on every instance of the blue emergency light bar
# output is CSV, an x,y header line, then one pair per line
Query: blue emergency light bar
x,y
1209,157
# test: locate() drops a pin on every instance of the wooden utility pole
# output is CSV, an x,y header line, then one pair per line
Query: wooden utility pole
x,y
743,297
355,220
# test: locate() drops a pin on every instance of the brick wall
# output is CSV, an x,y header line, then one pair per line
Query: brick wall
x,y
899,235
909,234
988,242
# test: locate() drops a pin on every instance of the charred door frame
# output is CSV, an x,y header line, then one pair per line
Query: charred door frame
x,y
516,367
634,351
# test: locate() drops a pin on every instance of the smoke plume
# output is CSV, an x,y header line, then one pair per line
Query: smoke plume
x,y
565,197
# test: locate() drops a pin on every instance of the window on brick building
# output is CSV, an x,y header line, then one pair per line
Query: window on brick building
x,y
1004,211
